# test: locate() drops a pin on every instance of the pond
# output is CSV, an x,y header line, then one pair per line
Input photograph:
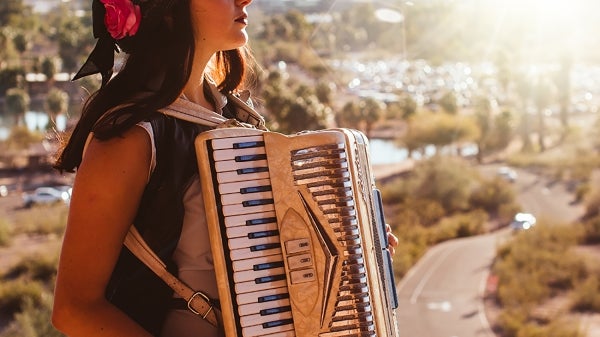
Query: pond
x,y
385,151
34,120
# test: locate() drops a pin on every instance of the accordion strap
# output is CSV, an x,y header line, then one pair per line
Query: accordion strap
x,y
194,113
197,302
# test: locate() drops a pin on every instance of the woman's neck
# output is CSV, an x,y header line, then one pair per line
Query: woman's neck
x,y
194,89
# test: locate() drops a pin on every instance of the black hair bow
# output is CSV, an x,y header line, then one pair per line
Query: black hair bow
x,y
102,57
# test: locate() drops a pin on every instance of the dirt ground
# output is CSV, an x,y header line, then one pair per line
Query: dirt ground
x,y
11,205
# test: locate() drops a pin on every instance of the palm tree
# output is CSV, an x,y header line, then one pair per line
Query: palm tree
x,y
57,102
371,110
16,103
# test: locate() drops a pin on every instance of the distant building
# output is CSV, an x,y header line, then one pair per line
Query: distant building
x,y
274,6
44,6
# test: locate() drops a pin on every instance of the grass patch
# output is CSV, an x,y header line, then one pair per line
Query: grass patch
x,y
43,220
5,232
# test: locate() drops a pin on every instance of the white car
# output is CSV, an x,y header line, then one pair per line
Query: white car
x,y
523,221
507,174
47,195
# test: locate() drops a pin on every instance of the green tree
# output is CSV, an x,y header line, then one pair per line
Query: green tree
x,y
324,92
11,78
563,86
524,90
10,11
409,105
49,68
483,112
8,52
439,130
74,39
17,103
349,116
371,111
57,102
448,103
542,96
448,180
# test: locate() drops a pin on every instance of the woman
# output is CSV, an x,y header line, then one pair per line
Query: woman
x,y
138,167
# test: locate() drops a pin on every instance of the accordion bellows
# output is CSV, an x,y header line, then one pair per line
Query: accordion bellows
x,y
297,234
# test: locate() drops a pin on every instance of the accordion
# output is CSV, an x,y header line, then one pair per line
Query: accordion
x,y
297,234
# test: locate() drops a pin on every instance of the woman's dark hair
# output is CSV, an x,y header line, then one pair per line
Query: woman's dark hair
x,y
157,68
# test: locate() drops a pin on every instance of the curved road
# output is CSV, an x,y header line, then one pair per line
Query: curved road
x,y
441,296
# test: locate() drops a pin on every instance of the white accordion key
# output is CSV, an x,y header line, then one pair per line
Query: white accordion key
x,y
246,230
254,244
251,286
259,263
233,165
228,143
250,219
238,198
255,207
265,308
230,154
244,186
267,328
254,173
251,320
249,275
267,295
247,253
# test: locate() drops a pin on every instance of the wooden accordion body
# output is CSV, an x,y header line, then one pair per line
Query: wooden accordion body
x,y
297,234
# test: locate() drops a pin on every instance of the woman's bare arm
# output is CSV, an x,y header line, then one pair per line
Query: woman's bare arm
x,y
106,194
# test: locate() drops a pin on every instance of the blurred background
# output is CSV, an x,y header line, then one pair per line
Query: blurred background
x,y
484,135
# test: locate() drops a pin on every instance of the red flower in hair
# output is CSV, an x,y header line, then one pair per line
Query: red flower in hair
x,y
122,18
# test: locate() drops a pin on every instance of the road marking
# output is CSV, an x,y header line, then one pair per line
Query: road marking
x,y
419,288
441,306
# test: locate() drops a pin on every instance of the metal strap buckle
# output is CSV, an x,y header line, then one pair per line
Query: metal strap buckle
x,y
206,298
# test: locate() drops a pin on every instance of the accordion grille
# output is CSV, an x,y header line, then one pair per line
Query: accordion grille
x,y
324,171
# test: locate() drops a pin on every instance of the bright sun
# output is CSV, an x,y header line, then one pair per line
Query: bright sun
x,y
550,24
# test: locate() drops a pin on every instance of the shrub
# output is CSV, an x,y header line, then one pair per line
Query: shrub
x,y
459,225
586,296
555,329
592,203
446,180
33,321
412,245
424,212
36,267
14,295
5,232
537,261
491,195
591,229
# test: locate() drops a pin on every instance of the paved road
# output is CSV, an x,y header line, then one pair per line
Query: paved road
x,y
442,294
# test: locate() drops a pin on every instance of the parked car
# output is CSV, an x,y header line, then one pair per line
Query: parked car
x,y
507,174
47,195
523,221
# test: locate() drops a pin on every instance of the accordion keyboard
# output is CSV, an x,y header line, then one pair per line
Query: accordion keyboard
x,y
291,255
